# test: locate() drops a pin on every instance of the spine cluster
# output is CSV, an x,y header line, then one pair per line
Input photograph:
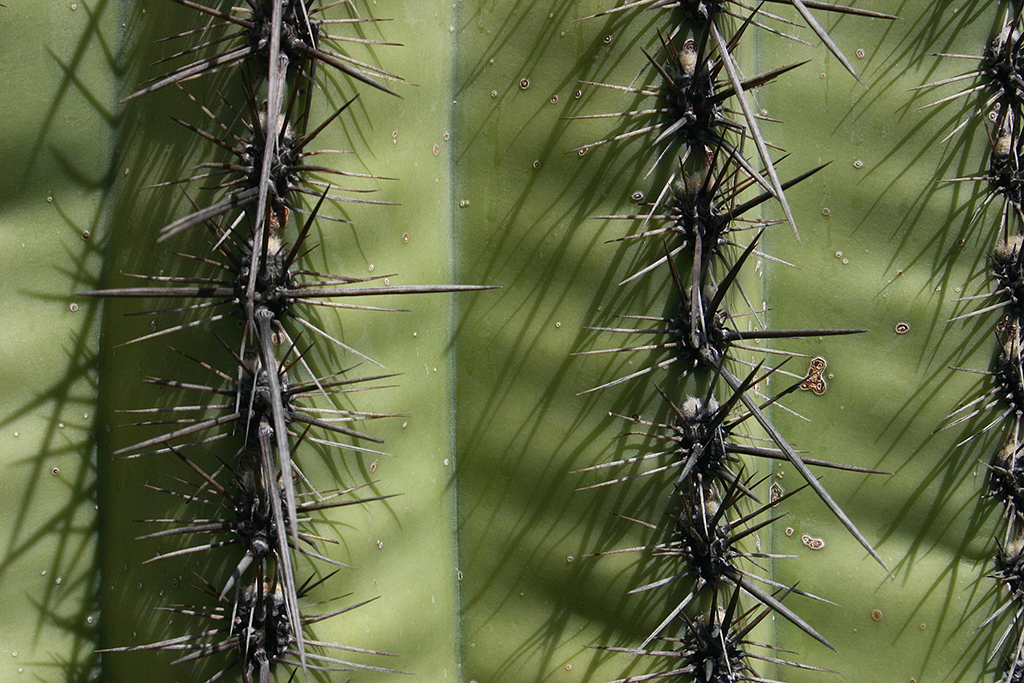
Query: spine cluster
x,y
242,437
998,78
696,115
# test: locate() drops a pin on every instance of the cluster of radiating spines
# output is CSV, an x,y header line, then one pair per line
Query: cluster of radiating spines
x,y
268,36
250,524
279,286
260,502
699,125
1003,176
999,80
702,544
698,75
1004,173
713,648
686,13
699,445
701,331
289,174
257,629
701,212
1009,573
249,404
997,77
689,117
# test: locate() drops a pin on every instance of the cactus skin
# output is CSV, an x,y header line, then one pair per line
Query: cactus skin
x,y
515,427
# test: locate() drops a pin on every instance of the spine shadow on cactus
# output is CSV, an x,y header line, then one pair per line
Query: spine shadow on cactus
x,y
993,86
840,190
259,281
688,114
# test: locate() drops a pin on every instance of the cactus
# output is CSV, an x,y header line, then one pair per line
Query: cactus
x,y
480,565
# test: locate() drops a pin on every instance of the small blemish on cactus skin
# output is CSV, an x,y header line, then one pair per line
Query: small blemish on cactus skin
x,y
812,543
